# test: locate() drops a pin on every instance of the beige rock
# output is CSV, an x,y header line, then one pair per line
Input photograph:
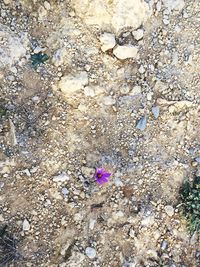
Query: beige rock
x,y
107,41
70,84
136,90
174,4
169,210
125,51
109,101
116,14
138,34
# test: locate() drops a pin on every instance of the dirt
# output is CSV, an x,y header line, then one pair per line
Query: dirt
x,y
79,111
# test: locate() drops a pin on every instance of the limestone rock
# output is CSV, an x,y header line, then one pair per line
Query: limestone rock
x,y
116,14
107,41
70,84
138,34
12,46
177,5
125,51
169,210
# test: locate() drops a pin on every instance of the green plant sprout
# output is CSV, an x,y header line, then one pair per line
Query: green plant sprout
x,y
38,59
190,196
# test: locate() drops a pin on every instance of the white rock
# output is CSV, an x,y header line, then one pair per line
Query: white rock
x,y
169,210
12,46
47,5
63,177
177,5
116,14
138,34
26,225
125,51
91,224
107,41
109,101
156,111
1,218
136,90
89,91
132,233
90,252
141,69
70,84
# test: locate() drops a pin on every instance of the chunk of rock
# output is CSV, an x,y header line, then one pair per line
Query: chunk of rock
x,y
169,210
26,225
63,177
177,5
107,41
125,51
116,14
155,111
71,84
138,34
109,101
12,47
90,252
142,123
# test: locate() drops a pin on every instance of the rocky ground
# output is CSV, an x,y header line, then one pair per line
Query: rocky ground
x,y
120,90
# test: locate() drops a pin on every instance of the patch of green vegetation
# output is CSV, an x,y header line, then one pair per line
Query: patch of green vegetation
x,y
190,196
38,59
2,111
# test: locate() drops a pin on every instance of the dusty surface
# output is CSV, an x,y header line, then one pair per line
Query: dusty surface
x,y
80,111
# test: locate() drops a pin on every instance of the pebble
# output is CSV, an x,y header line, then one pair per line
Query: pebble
x,y
26,225
63,177
197,159
138,34
141,69
169,210
155,111
1,218
109,101
90,252
1,185
125,51
69,84
107,41
142,123
65,191
164,245
136,90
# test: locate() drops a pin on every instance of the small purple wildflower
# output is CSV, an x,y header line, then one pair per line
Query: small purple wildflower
x,y
101,176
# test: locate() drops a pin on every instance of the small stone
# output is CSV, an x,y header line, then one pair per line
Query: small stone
x,y
136,90
90,252
138,34
141,69
125,51
26,225
164,245
1,218
197,159
65,191
47,5
109,101
1,185
132,233
63,177
91,224
107,41
142,123
70,84
169,210
155,111
89,91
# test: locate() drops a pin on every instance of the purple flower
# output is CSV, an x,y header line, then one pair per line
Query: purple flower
x,y
101,176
